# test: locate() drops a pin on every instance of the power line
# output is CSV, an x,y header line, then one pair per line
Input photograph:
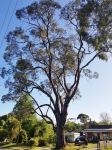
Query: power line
x,y
9,22
5,16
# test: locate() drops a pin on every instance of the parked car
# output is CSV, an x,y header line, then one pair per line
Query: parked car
x,y
81,140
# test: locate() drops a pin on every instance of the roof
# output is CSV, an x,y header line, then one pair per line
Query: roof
x,y
99,128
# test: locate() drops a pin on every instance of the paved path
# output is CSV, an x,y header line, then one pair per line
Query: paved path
x,y
42,148
5,149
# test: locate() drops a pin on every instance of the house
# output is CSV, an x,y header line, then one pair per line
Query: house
x,y
99,132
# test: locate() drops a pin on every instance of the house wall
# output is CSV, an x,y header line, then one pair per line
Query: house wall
x,y
93,136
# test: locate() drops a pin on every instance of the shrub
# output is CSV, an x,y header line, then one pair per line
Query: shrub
x,y
33,141
23,138
42,142
3,134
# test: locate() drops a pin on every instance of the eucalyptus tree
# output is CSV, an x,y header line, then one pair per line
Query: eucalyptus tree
x,y
83,118
48,57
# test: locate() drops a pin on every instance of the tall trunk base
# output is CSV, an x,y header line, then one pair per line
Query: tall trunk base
x,y
60,140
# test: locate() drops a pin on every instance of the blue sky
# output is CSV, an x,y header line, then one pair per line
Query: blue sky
x,y
96,93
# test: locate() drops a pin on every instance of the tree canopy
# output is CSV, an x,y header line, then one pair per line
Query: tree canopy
x,y
83,118
50,58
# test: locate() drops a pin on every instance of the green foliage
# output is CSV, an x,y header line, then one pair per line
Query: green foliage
x,y
70,126
49,135
24,107
4,117
23,64
103,56
2,123
29,124
83,118
12,126
43,57
73,127
45,133
3,134
23,137
30,129
23,110
33,141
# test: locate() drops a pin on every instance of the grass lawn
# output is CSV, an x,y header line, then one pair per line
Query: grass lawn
x,y
89,147
73,147
68,147
13,146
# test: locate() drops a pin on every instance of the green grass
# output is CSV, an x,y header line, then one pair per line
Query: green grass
x,y
73,147
13,146
109,148
8,145
89,147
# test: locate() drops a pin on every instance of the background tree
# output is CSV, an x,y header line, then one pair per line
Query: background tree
x,y
12,126
29,124
43,57
29,130
71,126
83,118
23,138
24,108
105,118
2,123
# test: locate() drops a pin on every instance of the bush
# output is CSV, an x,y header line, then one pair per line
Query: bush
x,y
3,134
42,142
33,141
23,138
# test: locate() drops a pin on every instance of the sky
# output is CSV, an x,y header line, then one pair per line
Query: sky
x,y
96,94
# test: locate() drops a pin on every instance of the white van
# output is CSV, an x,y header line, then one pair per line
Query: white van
x,y
71,136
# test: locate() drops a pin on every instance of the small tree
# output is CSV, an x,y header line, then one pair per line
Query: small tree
x,y
105,118
12,126
70,126
24,107
50,59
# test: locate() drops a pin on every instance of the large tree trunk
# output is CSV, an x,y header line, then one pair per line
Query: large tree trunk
x,y
60,125
60,137
60,134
